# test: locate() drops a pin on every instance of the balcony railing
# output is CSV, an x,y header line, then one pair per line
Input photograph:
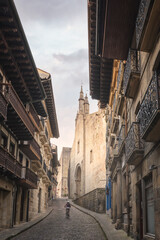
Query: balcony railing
x,y
24,128
114,101
20,109
134,146
121,138
141,17
149,112
46,132
29,178
147,25
107,156
44,166
114,157
3,107
49,174
9,163
34,117
131,74
31,148
119,74
54,181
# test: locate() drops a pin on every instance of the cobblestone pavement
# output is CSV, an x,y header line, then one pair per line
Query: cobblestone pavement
x,y
57,227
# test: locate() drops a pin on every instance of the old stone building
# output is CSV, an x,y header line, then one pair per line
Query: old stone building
x,y
129,36
27,121
87,165
63,172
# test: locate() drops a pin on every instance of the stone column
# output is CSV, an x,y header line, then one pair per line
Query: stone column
x,y
119,198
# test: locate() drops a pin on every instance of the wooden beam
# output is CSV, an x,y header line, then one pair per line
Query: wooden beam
x,y
15,63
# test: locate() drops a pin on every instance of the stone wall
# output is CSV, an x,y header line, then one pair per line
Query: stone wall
x,y
94,200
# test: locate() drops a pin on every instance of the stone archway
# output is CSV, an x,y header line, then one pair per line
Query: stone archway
x,y
78,181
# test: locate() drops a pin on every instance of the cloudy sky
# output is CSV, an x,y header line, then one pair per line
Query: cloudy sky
x,y
58,37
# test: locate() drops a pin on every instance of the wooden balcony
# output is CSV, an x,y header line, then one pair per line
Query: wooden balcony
x,y
121,138
31,149
131,74
147,24
3,107
134,146
9,164
29,178
149,112
17,117
34,117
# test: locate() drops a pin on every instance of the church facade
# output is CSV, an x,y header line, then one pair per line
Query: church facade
x,y
87,165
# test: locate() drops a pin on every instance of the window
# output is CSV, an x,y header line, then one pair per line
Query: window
x,y
4,140
78,146
12,148
20,157
91,156
149,201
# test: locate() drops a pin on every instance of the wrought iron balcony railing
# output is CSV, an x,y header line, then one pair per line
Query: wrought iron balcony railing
x,y
49,174
107,156
29,178
114,157
46,132
121,138
9,163
114,101
134,147
119,74
140,21
54,181
149,112
131,74
44,166
3,107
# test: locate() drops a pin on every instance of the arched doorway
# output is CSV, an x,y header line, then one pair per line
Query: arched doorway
x,y
78,181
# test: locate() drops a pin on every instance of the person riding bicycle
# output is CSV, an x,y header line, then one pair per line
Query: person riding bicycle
x,y
67,206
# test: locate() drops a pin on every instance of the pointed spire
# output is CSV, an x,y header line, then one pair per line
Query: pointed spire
x,y
86,99
86,105
81,94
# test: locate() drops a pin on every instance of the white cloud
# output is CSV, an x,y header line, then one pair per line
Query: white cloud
x,y
58,37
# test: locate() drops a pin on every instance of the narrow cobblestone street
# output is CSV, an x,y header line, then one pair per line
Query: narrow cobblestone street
x,y
56,226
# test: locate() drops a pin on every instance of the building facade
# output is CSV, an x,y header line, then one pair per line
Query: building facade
x,y
132,113
63,172
26,125
87,165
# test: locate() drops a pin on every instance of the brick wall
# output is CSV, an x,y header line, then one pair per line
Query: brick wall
x,y
94,200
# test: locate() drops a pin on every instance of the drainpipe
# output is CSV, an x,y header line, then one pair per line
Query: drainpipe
x,y
127,174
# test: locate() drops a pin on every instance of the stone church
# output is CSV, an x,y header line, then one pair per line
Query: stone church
x,y
87,165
